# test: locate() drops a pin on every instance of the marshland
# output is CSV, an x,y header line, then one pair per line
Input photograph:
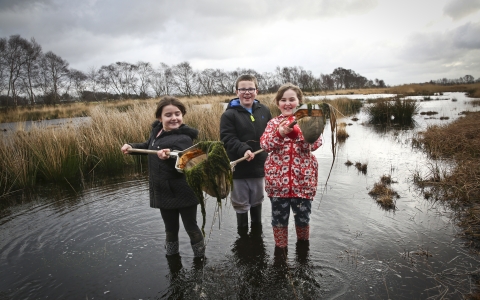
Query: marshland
x,y
76,223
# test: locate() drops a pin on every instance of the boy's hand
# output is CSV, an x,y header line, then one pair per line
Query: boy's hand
x,y
249,155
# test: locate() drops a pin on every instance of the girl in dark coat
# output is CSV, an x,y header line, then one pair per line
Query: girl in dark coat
x,y
168,188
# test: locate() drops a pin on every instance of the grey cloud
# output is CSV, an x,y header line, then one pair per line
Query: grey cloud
x,y
457,9
21,4
459,47
467,36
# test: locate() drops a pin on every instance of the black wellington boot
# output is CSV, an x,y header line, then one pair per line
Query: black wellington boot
x,y
242,224
256,216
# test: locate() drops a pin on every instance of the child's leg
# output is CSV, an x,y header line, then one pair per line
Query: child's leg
x,y
301,210
189,219
280,215
171,220
241,204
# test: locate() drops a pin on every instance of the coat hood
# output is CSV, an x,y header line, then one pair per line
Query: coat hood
x,y
235,103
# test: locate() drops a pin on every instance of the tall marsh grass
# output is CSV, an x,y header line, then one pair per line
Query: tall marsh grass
x,y
74,152
396,111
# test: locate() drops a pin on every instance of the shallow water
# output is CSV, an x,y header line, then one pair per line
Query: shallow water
x,y
105,242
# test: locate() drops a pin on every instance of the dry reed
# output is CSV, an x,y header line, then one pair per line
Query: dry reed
x,y
72,152
383,193
342,134
459,143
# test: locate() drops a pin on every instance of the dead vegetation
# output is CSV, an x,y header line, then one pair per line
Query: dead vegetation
x,y
383,193
342,134
458,143
361,167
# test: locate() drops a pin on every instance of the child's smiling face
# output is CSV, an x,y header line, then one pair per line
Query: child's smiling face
x,y
288,102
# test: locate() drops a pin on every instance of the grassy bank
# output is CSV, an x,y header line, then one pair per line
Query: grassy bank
x,y
458,185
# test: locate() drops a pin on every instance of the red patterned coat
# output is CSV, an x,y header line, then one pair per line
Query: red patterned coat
x,y
291,169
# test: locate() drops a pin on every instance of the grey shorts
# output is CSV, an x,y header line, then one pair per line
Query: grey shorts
x,y
247,193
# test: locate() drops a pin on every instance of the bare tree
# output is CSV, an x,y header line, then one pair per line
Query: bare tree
x,y
78,80
207,80
145,76
226,82
15,56
3,64
268,82
327,82
185,79
306,81
33,55
121,77
93,80
54,72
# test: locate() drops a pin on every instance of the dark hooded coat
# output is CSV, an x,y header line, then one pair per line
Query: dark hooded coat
x,y
241,131
168,187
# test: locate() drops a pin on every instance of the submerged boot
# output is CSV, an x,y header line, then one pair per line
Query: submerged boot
x,y
171,248
197,242
303,249
174,264
303,233
280,234
256,223
199,249
242,224
171,243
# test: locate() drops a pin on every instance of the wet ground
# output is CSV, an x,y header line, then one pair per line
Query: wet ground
x,y
105,242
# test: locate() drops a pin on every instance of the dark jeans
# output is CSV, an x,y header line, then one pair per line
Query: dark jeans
x,y
189,220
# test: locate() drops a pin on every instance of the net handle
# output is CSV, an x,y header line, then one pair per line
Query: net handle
x,y
235,162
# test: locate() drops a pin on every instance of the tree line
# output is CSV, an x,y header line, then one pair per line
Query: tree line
x,y
28,76
467,79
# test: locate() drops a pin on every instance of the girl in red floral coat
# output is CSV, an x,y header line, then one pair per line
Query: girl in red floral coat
x,y
291,170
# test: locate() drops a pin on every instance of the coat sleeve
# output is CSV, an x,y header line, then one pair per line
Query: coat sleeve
x,y
318,143
271,139
228,135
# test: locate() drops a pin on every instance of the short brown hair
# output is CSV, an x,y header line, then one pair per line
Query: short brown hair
x,y
246,77
289,86
169,100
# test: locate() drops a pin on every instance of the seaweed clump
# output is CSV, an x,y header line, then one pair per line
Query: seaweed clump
x,y
212,175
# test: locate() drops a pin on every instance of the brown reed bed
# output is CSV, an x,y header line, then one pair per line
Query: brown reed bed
x,y
69,153
383,193
458,185
428,89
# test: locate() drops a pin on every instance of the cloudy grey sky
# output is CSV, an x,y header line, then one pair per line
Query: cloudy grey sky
x,y
399,41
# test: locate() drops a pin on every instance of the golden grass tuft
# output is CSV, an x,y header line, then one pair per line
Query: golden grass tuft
x,y
342,134
383,193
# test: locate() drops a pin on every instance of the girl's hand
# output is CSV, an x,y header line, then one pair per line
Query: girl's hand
x,y
125,148
163,154
284,128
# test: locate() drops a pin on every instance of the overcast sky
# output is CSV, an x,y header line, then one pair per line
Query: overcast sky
x,y
399,41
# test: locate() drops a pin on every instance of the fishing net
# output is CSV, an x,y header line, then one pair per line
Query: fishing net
x,y
311,120
209,172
